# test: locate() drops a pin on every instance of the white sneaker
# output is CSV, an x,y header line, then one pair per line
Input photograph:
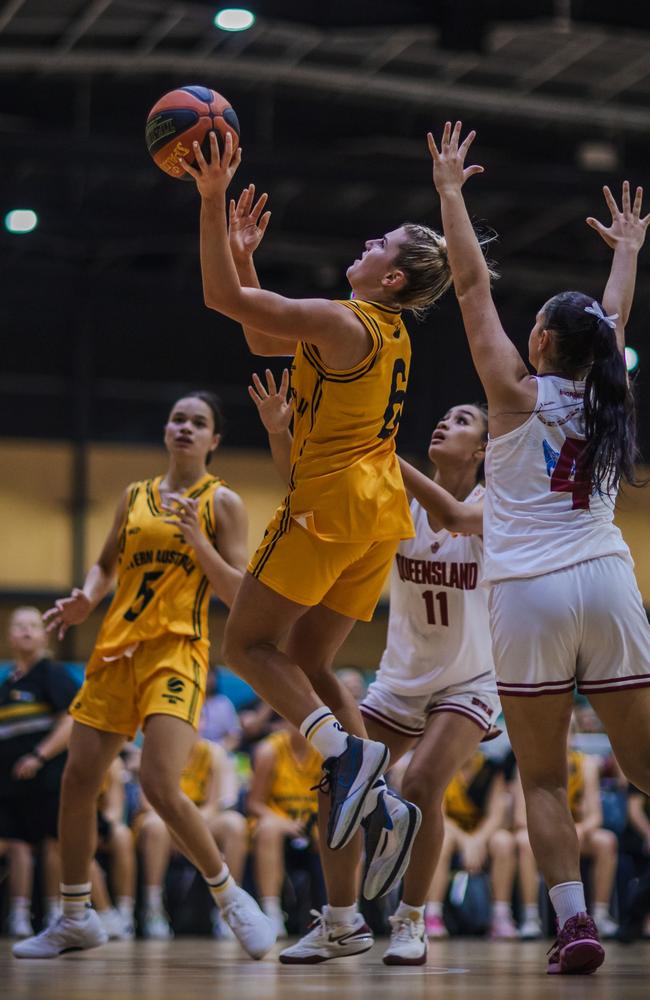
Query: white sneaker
x,y
155,926
64,935
251,927
324,941
607,926
531,930
408,942
389,832
277,919
220,928
19,925
53,915
113,925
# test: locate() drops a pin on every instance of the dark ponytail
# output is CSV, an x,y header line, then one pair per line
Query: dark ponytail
x,y
585,340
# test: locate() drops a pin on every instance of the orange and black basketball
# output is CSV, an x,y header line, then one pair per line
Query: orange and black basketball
x,y
183,116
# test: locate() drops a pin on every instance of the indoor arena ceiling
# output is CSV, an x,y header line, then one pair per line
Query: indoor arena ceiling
x,y
334,100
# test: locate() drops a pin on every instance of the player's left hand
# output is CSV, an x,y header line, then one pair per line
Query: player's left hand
x,y
449,170
627,226
212,179
274,408
26,767
185,513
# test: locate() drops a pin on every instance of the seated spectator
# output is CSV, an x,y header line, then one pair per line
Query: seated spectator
x,y
635,842
476,807
114,838
34,733
202,781
20,880
596,843
284,804
219,721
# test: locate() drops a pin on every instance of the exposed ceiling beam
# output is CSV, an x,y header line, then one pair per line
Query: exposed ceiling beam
x,y
9,11
80,26
422,94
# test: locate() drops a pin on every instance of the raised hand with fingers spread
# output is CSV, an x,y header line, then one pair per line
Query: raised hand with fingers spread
x,y
449,170
274,408
247,223
626,226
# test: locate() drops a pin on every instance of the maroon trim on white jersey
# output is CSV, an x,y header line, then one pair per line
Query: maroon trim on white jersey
x,y
449,706
385,720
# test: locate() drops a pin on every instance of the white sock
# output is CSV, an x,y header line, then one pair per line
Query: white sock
x,y
153,898
75,900
568,898
325,733
531,911
125,907
434,909
272,906
223,887
410,912
341,914
19,905
600,910
501,908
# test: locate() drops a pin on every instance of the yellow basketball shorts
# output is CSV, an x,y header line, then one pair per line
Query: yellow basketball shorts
x,y
346,577
163,676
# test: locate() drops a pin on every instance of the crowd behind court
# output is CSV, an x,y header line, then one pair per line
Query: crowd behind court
x,y
254,778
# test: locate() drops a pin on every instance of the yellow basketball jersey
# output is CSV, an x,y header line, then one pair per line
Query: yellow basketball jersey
x,y
195,779
576,786
345,480
293,780
457,803
160,585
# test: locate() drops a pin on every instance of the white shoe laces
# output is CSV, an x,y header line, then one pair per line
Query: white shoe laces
x,y
404,930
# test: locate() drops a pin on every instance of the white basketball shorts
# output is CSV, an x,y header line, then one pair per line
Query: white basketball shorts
x,y
476,699
583,625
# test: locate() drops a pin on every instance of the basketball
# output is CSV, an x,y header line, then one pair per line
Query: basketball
x,y
182,117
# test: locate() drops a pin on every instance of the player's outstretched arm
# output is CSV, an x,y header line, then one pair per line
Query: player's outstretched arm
x,y
625,235
275,413
326,324
462,518
497,361
247,224
75,609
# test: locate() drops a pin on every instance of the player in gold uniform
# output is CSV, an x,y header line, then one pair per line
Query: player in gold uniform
x,y
327,551
173,538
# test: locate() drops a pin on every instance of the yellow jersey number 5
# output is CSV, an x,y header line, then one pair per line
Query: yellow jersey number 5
x,y
395,405
146,592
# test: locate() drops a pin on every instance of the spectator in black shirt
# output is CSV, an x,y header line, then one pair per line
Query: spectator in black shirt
x,y
34,732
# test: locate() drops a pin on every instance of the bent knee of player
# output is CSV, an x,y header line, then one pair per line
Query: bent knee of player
x,y
422,788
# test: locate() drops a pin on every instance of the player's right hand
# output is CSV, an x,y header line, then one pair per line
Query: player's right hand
x,y
246,223
272,405
67,611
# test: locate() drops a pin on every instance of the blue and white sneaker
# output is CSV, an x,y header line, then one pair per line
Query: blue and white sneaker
x,y
390,830
350,776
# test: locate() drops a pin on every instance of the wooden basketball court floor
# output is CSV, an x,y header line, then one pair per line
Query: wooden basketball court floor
x,y
200,969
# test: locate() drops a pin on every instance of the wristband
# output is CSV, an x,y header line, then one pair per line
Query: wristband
x,y
39,756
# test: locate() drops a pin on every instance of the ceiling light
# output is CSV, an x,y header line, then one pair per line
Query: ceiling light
x,y
234,19
21,220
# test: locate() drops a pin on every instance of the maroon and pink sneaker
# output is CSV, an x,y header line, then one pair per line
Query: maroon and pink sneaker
x,y
577,950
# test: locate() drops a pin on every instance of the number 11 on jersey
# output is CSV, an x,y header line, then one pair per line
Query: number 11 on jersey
x,y
429,599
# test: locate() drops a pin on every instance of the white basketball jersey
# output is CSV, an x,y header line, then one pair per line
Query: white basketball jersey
x,y
438,628
541,512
